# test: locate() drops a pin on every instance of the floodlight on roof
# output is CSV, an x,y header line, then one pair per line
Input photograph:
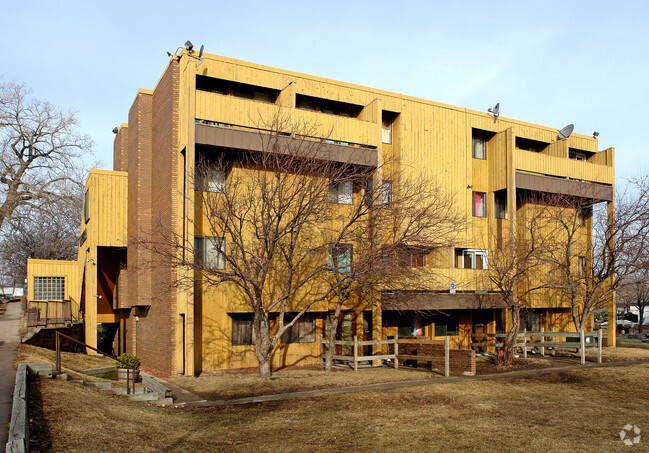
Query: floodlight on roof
x,y
566,131
595,134
495,111
189,46
115,130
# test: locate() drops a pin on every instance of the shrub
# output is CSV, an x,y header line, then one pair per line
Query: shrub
x,y
132,361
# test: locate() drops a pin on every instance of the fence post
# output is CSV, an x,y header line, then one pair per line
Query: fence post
x,y
355,353
396,351
599,346
542,341
524,343
58,352
582,347
447,357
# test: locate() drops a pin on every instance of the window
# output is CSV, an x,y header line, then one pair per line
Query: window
x,y
479,204
213,180
446,323
413,258
303,331
241,328
86,207
340,257
49,288
479,139
581,263
579,154
531,321
500,204
582,215
209,251
471,259
369,192
386,193
341,192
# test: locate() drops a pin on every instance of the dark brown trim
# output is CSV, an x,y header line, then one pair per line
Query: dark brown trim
x,y
550,184
225,137
440,301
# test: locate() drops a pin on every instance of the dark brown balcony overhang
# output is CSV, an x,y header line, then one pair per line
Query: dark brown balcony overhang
x,y
240,139
440,301
549,184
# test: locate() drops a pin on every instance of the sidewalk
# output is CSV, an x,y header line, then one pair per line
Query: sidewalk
x,y
401,384
9,341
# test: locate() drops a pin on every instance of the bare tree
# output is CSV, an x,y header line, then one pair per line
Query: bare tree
x,y
400,219
589,265
40,149
515,268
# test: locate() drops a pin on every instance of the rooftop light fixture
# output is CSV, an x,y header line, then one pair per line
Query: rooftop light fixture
x,y
115,130
595,134
189,46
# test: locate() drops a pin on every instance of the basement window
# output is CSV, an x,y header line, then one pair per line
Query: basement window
x,y
303,331
327,106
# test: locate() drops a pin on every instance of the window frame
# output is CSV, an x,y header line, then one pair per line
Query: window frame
x,y
341,250
476,210
441,329
341,192
386,193
581,266
483,141
298,333
241,323
200,251
48,286
460,253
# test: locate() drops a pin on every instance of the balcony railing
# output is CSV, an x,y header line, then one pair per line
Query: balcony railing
x,y
45,313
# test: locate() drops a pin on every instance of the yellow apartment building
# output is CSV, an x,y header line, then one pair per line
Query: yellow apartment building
x,y
208,105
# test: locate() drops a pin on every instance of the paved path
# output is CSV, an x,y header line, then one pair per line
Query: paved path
x,y
9,341
414,383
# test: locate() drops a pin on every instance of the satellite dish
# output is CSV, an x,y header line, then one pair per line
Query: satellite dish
x,y
566,131
495,111
200,53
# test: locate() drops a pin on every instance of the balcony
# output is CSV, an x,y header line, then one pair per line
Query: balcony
x,y
563,167
248,113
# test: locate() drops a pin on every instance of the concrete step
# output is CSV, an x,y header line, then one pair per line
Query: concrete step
x,y
41,369
122,390
99,385
163,401
62,375
145,396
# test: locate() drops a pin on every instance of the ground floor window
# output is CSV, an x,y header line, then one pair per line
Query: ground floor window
x,y
241,328
303,331
531,321
446,323
49,288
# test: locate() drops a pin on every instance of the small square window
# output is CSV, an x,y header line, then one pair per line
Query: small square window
x,y
341,192
479,204
340,258
209,251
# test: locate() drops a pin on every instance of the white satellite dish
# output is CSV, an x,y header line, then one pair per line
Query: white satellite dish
x,y
495,111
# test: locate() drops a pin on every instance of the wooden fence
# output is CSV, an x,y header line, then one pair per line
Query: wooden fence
x,y
550,339
395,356
48,312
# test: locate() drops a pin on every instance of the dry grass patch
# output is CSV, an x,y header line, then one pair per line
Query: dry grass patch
x,y
239,385
576,411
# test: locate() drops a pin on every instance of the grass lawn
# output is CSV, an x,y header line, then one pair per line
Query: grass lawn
x,y
574,411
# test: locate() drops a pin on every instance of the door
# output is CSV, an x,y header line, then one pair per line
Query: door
x,y
344,332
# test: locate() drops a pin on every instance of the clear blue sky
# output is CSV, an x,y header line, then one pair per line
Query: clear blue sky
x,y
550,63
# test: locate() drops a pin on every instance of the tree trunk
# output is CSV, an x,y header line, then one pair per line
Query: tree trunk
x,y
640,317
510,340
331,346
262,344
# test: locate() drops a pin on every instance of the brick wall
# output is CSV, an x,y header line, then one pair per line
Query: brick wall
x,y
120,148
461,360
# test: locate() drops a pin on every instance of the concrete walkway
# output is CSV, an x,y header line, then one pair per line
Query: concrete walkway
x,y
402,384
9,341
